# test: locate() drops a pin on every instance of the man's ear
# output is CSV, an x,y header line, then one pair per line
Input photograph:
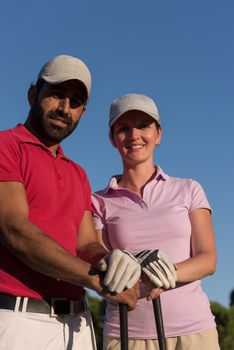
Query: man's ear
x,y
83,111
32,93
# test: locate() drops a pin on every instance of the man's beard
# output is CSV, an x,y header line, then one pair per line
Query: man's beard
x,y
48,132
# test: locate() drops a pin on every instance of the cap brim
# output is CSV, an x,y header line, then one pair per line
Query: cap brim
x,y
154,116
57,80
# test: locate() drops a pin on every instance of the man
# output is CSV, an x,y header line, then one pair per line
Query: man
x,y
45,219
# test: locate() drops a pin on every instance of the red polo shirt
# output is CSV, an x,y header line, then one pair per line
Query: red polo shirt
x,y
58,193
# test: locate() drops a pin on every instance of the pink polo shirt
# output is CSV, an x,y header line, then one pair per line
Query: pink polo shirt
x,y
158,220
58,193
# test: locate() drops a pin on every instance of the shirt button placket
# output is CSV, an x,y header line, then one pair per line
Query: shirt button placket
x,y
58,173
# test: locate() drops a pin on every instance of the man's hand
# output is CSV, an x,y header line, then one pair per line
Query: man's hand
x,y
128,296
151,291
160,270
122,270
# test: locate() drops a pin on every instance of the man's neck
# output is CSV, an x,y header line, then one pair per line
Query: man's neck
x,y
52,147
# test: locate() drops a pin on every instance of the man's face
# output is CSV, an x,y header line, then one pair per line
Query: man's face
x,y
56,110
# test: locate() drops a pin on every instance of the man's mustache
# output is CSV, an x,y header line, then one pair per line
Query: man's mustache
x,y
60,114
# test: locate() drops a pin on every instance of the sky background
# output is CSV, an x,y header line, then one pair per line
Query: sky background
x,y
180,53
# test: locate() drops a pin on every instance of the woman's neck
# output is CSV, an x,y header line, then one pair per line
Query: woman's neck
x,y
135,178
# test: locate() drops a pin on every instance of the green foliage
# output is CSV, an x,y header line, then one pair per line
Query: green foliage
x,y
228,342
225,325
222,320
232,298
97,307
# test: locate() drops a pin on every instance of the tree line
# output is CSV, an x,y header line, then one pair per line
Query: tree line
x,y
224,318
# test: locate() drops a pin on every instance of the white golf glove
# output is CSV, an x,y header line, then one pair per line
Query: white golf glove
x,y
122,270
160,270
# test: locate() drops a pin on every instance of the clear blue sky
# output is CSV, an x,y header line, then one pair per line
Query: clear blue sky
x,y
181,53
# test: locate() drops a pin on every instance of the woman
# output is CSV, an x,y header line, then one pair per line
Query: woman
x,y
144,208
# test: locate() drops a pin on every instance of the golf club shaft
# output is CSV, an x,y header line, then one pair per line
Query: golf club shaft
x,y
159,323
123,320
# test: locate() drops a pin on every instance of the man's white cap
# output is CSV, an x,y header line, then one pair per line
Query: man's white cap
x,y
130,102
62,68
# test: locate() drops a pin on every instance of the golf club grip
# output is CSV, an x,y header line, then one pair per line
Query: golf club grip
x,y
123,320
159,323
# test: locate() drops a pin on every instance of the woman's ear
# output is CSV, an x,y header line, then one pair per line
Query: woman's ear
x,y
112,139
158,141
32,93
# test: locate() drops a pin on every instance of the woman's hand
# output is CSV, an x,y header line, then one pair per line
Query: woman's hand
x,y
159,268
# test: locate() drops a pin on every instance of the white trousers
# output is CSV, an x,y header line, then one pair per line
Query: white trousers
x,y
34,331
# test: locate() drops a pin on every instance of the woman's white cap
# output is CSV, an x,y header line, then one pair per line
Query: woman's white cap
x,y
130,102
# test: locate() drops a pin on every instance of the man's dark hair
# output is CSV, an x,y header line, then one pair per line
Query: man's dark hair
x,y
39,84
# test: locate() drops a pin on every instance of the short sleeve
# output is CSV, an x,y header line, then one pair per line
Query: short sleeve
x,y
87,191
10,158
88,204
198,198
98,216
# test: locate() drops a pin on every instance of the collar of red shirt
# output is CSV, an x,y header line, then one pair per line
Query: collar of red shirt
x,y
25,136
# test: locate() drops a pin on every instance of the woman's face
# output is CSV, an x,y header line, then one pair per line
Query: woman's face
x,y
135,135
